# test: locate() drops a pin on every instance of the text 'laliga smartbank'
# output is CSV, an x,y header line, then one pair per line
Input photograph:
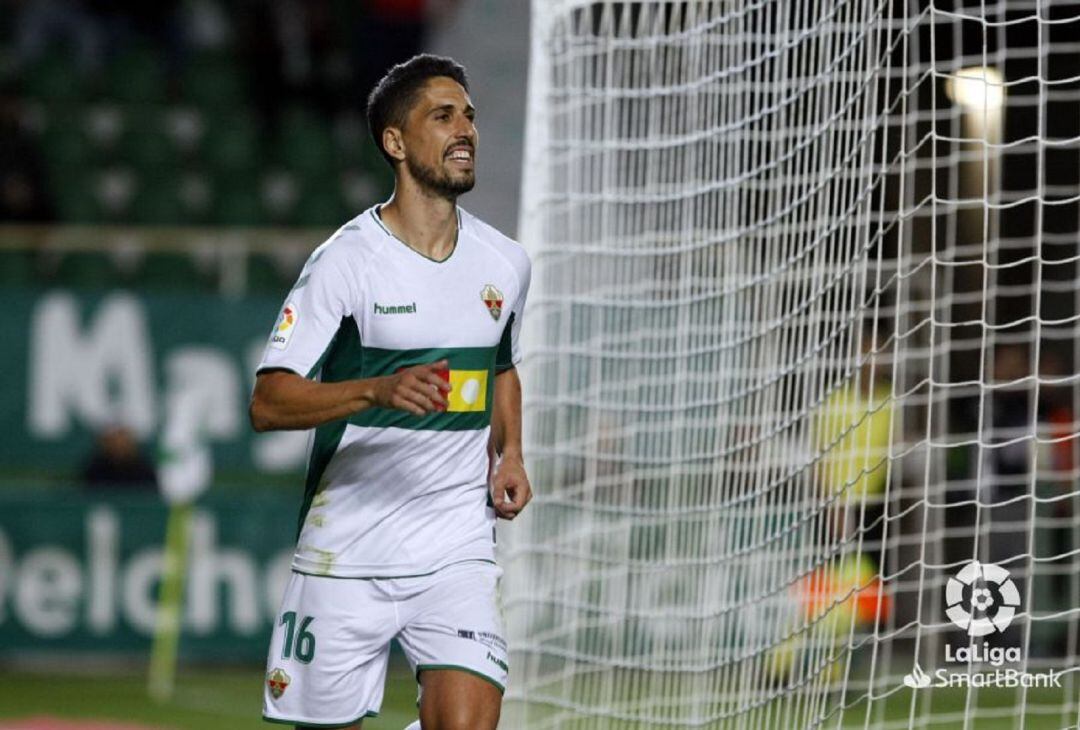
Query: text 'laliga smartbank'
x,y
982,600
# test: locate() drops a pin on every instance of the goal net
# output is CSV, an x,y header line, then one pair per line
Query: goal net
x,y
801,391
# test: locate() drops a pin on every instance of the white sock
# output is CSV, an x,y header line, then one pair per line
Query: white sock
x,y
414,726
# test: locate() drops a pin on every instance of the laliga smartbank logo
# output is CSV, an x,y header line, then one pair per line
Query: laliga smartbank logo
x,y
982,600
979,577
918,678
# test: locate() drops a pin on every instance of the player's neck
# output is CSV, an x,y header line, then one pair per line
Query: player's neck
x,y
425,223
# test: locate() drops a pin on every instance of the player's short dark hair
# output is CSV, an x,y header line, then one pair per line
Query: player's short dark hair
x,y
390,101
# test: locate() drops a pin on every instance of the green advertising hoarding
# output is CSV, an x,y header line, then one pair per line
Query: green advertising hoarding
x,y
79,573
82,360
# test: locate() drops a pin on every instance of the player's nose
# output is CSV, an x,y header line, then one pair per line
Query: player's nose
x,y
465,130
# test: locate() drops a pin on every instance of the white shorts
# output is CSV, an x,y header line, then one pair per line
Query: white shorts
x,y
331,640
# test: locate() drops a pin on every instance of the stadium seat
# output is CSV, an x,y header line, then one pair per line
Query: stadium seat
x,y
158,202
64,141
186,127
196,191
361,188
55,78
369,157
146,146
116,188
305,145
213,82
365,161
231,143
76,201
103,126
280,193
350,136
321,206
237,203
136,75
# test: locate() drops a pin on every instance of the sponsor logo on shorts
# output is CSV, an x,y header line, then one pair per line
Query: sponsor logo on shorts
x,y
278,681
499,662
488,639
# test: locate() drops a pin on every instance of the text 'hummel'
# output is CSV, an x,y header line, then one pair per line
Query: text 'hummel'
x,y
395,308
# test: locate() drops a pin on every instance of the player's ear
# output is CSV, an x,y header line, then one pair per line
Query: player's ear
x,y
394,143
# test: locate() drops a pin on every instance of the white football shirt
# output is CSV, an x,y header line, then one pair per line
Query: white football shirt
x,y
390,494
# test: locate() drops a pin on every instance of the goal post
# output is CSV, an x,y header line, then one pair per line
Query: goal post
x,y
801,351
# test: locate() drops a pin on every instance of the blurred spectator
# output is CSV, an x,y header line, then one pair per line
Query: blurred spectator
x,y
154,21
123,24
853,432
118,462
1057,420
390,32
45,24
292,48
1058,457
327,54
1012,420
24,186
1006,488
95,30
207,25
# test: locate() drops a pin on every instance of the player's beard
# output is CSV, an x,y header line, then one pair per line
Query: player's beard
x,y
440,182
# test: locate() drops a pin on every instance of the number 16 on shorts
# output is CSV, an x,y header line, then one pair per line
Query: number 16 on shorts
x,y
299,641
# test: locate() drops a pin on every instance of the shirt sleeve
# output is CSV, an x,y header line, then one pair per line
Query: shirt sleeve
x,y
509,352
310,318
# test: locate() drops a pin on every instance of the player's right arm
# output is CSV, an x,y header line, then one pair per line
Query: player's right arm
x,y
284,400
325,301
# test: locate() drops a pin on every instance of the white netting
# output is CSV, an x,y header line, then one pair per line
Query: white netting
x,y
801,347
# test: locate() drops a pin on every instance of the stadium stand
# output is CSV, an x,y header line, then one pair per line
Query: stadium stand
x,y
156,128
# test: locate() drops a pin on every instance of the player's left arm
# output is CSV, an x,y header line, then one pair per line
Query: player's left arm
x,y
510,489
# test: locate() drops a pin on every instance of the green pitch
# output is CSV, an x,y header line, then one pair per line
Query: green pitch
x,y
215,699
996,709
211,699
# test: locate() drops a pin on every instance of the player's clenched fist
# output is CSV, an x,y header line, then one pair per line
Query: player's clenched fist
x,y
510,489
419,390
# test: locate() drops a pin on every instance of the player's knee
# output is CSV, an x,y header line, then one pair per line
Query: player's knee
x,y
461,717
460,722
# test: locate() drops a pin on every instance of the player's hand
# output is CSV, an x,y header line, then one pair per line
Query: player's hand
x,y
418,390
510,490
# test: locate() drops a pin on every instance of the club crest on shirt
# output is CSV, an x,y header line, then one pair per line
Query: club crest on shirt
x,y
493,300
278,681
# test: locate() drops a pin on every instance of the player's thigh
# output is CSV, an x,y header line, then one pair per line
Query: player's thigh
x,y
453,639
328,652
452,699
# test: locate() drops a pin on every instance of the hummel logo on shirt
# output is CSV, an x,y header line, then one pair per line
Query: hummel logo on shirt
x,y
395,308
